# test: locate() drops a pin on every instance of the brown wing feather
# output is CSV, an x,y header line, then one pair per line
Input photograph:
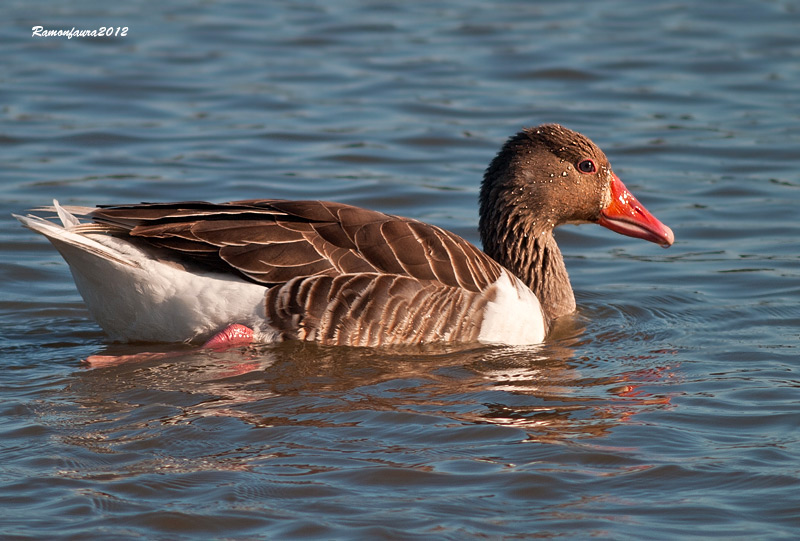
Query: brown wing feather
x,y
273,241
374,310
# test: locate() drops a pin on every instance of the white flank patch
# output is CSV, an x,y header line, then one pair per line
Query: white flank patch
x,y
514,317
135,297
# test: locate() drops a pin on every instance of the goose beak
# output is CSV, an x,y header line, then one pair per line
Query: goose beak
x,y
625,215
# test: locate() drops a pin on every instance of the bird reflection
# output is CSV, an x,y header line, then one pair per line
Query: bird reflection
x,y
548,391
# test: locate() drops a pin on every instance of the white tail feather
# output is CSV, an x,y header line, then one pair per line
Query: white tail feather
x,y
64,215
135,296
69,235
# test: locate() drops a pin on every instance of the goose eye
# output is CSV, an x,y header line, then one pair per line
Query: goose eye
x,y
587,166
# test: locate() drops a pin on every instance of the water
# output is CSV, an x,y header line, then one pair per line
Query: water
x,y
667,407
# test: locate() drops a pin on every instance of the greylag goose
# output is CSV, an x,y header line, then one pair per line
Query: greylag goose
x,y
267,270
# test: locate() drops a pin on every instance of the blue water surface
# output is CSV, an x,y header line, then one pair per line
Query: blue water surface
x,y
667,407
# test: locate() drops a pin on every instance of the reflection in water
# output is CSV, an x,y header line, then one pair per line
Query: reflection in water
x,y
542,390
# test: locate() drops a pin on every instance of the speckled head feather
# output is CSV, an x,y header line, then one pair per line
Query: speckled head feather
x,y
535,179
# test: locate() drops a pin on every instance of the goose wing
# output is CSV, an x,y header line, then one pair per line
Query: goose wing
x,y
271,241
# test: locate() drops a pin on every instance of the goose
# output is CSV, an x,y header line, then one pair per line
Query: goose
x,y
267,270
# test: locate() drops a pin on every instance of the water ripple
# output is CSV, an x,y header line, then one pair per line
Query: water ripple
x,y
664,408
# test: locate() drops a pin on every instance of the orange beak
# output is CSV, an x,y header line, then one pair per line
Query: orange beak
x,y
625,215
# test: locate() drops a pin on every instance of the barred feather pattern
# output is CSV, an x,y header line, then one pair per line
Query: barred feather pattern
x,y
374,310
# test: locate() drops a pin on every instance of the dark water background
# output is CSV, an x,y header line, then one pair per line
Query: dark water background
x,y
667,407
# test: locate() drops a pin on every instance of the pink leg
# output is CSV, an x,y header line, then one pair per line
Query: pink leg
x,y
100,361
229,337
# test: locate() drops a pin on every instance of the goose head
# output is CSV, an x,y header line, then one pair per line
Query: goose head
x,y
547,176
